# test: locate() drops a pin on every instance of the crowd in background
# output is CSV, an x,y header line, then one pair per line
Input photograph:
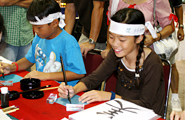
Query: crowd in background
x,y
26,40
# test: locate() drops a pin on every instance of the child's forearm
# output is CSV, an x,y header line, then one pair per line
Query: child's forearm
x,y
79,87
69,76
23,64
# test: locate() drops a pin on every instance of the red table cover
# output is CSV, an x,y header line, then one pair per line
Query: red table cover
x,y
38,109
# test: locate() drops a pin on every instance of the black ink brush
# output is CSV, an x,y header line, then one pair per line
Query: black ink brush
x,y
64,74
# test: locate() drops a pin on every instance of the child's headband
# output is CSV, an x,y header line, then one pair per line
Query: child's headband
x,y
126,29
50,19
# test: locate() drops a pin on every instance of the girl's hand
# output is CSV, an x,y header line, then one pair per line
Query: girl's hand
x,y
148,40
63,90
37,74
95,95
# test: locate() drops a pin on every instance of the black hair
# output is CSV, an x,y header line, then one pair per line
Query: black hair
x,y
132,16
41,9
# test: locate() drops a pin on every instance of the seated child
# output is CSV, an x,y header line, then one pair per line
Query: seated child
x,y
140,71
50,43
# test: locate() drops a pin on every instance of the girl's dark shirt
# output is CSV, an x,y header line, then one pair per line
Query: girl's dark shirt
x,y
151,91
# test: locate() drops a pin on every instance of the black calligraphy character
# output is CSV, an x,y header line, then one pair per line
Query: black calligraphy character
x,y
115,110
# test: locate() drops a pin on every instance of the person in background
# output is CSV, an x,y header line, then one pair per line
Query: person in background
x,y
146,6
50,43
177,115
140,71
176,6
19,32
2,34
93,19
175,101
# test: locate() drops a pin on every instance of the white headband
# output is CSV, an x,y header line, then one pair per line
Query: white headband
x,y
50,19
126,29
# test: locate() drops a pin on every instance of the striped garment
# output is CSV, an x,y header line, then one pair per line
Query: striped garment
x,y
19,30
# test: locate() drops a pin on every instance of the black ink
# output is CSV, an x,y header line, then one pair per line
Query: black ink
x,y
115,110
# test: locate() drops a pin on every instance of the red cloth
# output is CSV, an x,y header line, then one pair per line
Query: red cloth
x,y
38,109
131,6
174,18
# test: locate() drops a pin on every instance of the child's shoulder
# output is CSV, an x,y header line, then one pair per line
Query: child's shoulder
x,y
67,36
66,39
151,57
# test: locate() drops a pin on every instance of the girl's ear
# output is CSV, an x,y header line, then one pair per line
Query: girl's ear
x,y
139,39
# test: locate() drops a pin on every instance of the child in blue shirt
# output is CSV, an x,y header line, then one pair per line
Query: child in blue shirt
x,y
50,42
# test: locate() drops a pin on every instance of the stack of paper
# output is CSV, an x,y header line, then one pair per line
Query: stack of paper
x,y
116,109
4,60
3,116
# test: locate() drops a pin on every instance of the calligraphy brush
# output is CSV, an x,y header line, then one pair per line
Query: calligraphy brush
x,y
64,74
34,89
50,88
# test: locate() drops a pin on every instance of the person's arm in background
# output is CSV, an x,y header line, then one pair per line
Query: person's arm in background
x,y
163,11
177,115
164,33
21,3
96,22
106,51
179,13
70,14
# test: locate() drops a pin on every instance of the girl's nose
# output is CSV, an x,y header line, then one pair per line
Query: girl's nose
x,y
115,42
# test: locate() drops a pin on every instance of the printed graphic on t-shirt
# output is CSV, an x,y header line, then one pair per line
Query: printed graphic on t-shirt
x,y
44,65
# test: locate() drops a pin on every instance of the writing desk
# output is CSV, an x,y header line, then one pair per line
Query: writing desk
x,y
38,109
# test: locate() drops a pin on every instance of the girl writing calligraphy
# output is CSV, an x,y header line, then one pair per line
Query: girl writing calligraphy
x,y
140,71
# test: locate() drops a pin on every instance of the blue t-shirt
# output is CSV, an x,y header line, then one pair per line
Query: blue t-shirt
x,y
46,54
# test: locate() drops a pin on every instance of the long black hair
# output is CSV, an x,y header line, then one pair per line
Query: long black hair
x,y
41,9
132,16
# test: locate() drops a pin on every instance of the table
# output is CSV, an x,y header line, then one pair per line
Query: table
x,y
38,109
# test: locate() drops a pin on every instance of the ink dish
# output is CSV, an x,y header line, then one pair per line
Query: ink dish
x,y
33,94
29,83
13,95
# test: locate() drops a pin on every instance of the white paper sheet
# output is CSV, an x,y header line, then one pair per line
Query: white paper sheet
x,y
3,116
116,109
4,60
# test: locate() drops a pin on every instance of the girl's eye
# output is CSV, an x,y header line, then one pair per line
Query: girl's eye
x,y
122,40
111,37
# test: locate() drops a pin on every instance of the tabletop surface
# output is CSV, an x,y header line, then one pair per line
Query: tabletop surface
x,y
39,109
